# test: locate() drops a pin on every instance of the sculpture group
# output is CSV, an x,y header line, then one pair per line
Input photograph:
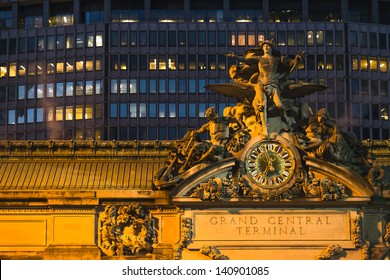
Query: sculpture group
x,y
268,107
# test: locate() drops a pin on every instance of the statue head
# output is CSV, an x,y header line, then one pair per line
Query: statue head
x,y
211,113
267,45
323,115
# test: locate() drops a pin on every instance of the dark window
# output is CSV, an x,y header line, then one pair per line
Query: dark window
x,y
152,38
114,39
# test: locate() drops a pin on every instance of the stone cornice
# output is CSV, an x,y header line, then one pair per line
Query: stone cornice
x,y
87,148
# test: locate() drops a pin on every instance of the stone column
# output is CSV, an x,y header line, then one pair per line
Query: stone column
x,y
305,10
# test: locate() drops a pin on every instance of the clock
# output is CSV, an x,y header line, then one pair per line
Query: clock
x,y
270,163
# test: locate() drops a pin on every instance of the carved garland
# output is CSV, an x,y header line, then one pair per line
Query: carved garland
x,y
234,185
329,252
358,239
125,231
212,253
186,237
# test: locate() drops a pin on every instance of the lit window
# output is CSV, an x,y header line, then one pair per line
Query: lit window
x,y
281,38
320,62
373,64
310,38
241,38
252,38
354,63
60,67
161,86
320,38
88,112
59,114
114,86
69,41
172,62
99,39
123,62
69,66
172,86
80,40
50,114
3,70
152,62
162,64
98,63
79,112
89,64
383,64
40,67
123,110
22,69
363,63
50,67
69,113
232,39
79,65
202,110
384,113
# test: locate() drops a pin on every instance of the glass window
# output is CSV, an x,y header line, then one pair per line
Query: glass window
x,y
99,39
192,110
161,86
162,39
79,88
373,63
60,43
152,39
191,38
221,38
182,110
88,87
69,113
114,39
143,38
339,38
31,68
384,113
310,37
373,40
182,62
21,92
191,62
11,117
31,91
60,67
98,111
356,110
172,86
123,39
384,88
123,110
123,86
59,113
290,38
192,85
172,62
320,37
363,63
152,110
114,86
79,64
40,89
301,37
162,63
133,38
69,41
50,90
69,65
383,64
79,112
329,62
172,110
202,62
59,89
363,39
182,38
182,86
39,115
80,40
21,116
161,110
202,110
133,110
202,85
89,64
142,110
113,110
143,86
69,89
99,87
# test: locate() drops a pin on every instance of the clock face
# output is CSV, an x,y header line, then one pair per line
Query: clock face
x,y
270,164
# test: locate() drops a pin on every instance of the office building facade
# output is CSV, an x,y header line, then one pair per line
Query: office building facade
x,y
125,70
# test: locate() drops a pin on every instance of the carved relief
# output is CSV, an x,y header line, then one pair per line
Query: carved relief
x,y
186,237
330,252
213,253
386,237
358,239
125,231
